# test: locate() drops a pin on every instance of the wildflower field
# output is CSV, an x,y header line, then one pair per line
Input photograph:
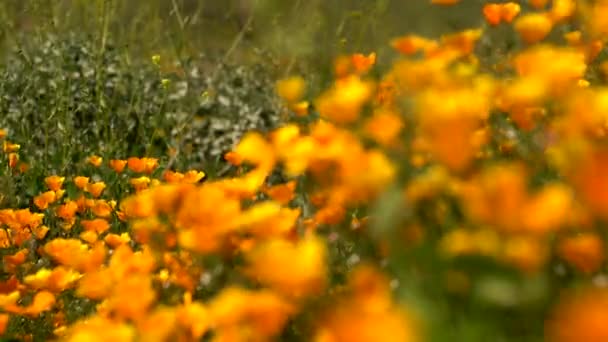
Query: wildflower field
x,y
378,170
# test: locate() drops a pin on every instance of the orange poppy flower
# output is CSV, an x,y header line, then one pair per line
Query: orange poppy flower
x,y
140,183
102,208
411,44
97,225
115,240
43,200
95,160
172,176
363,63
579,316
95,189
136,164
233,158
150,164
344,101
118,165
89,237
282,193
533,27
54,182
193,176
4,317
496,13
13,159
55,280
81,182
10,147
291,89
257,314
302,265
584,251
43,301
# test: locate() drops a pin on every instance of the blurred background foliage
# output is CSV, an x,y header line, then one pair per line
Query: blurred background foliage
x,y
298,32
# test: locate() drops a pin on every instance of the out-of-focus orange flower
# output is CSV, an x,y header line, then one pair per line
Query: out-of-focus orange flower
x,y
448,120
95,160
102,208
301,264
589,179
39,232
75,254
291,89
300,108
202,224
562,10
100,329
9,299
96,284
268,220
158,326
493,13
368,314
249,315
140,183
5,239
342,66
136,164
343,102
527,253
533,27
95,189
584,251
115,240
13,159
23,167
461,241
557,69
496,13
54,183
118,165
411,44
463,41
194,317
43,301
10,147
384,127
282,193
97,225
496,195
131,297
81,182
548,209
89,236
363,63
14,260
172,176
55,280
580,316
233,158
150,165
43,200
67,211
3,323
538,4
193,176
